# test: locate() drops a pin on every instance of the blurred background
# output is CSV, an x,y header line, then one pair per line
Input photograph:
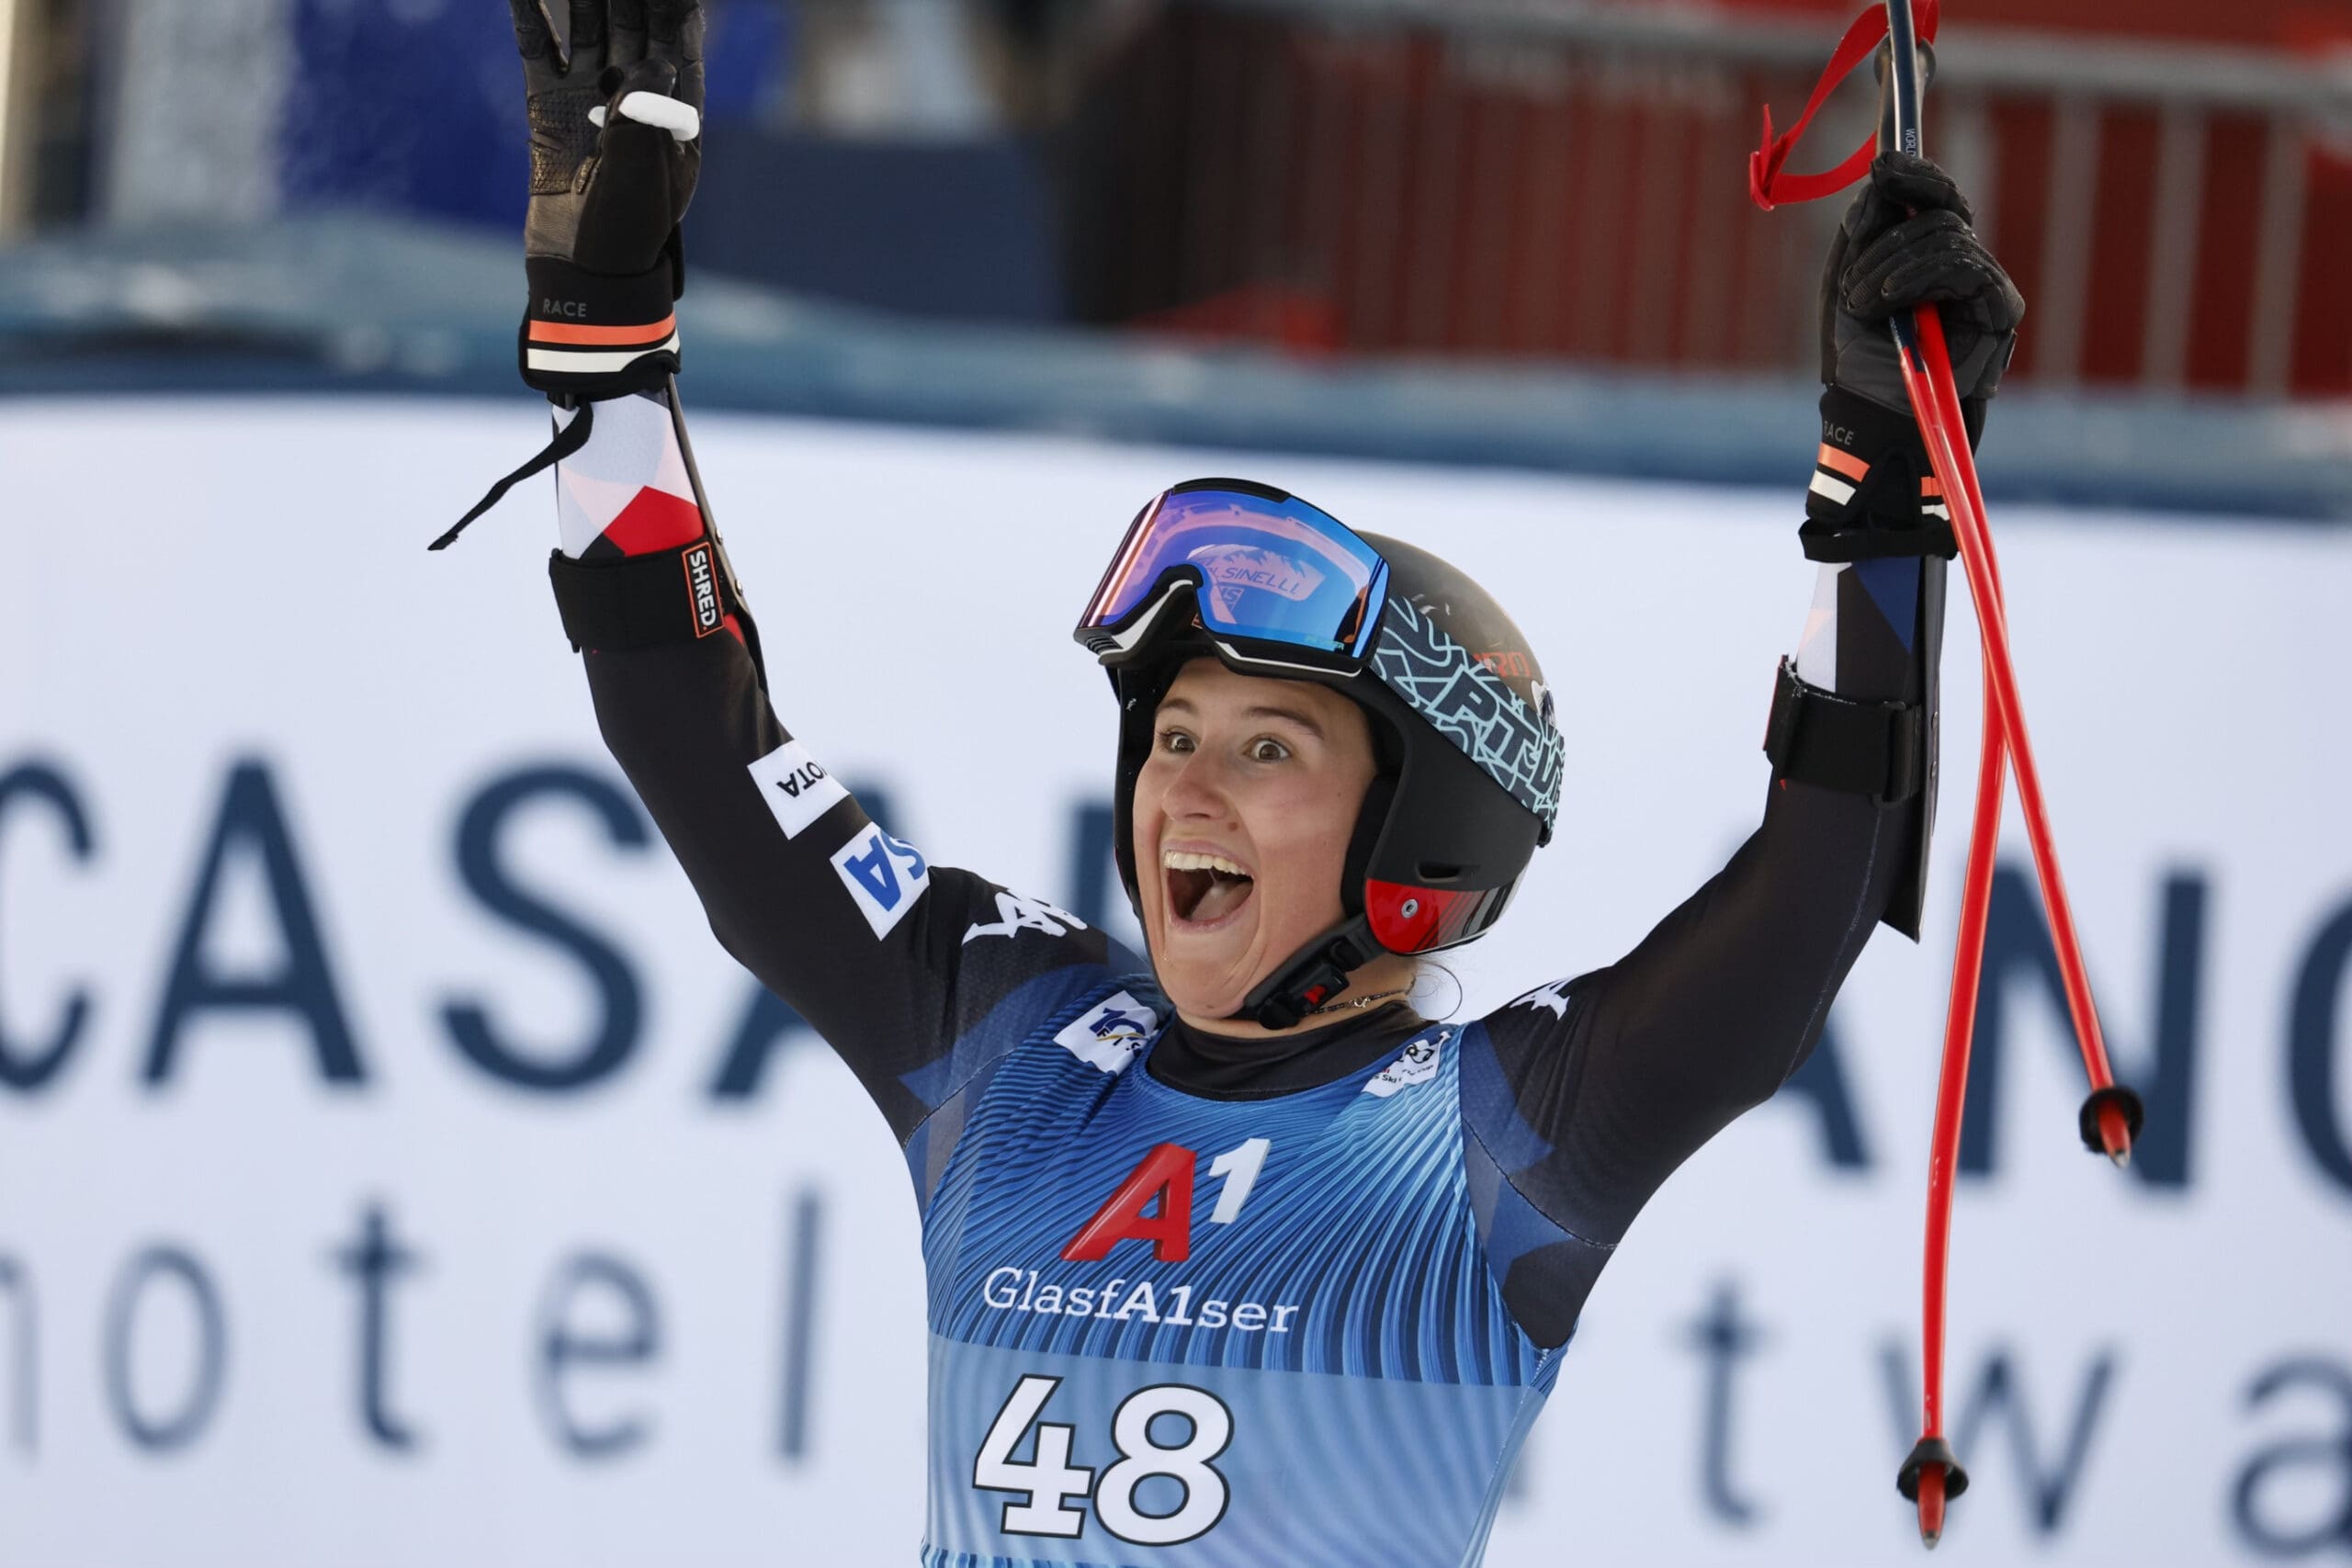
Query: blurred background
x,y
1521,185
390,1168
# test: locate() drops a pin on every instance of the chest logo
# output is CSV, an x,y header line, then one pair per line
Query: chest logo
x,y
1417,1064
1111,1034
1154,1203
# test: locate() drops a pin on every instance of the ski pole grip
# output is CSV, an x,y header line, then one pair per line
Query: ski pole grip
x,y
1902,83
1881,59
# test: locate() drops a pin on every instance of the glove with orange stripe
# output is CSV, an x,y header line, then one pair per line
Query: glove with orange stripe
x,y
1906,240
615,92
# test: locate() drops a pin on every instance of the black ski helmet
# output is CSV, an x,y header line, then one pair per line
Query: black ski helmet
x,y
1468,756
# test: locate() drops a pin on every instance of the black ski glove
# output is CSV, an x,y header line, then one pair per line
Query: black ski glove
x,y
1905,241
601,239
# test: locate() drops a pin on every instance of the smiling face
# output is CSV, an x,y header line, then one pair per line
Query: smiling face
x,y
1242,817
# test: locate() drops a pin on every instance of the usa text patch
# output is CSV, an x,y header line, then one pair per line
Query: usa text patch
x,y
884,874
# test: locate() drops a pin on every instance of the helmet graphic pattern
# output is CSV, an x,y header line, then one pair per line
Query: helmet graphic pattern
x,y
1471,706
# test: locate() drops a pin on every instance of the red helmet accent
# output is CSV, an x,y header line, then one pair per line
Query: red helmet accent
x,y
1406,919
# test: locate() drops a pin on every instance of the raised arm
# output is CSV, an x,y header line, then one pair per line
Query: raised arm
x,y
1585,1095
898,963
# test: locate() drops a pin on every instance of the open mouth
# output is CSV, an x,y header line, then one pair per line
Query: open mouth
x,y
1204,889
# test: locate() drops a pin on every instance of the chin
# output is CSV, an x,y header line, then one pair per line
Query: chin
x,y
1208,973
1204,985
1201,996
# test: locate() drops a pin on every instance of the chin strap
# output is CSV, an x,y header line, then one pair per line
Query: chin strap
x,y
1316,973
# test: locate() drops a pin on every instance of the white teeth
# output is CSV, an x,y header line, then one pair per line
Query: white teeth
x,y
1182,859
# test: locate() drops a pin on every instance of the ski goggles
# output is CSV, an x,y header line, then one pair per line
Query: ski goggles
x,y
1272,577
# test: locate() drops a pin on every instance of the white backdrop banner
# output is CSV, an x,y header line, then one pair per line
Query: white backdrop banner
x,y
393,1170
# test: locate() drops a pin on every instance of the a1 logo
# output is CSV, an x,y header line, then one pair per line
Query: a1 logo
x,y
1163,1183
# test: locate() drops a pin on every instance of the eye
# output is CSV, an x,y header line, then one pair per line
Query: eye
x,y
1175,740
1266,749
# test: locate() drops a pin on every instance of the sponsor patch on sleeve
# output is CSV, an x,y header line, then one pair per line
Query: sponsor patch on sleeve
x,y
1553,997
702,590
885,875
1016,914
1111,1034
796,788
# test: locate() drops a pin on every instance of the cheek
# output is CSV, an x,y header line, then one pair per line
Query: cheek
x,y
1302,832
1143,810
1146,810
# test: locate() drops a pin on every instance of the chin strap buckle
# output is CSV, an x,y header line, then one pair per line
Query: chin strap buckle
x,y
1820,737
1319,974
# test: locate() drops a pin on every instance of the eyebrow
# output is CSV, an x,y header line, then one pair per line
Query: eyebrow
x,y
1293,714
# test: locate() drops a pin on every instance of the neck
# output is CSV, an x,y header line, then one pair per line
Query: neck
x,y
1390,972
1222,1066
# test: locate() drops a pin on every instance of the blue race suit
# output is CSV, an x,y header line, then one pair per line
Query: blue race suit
x,y
1199,1302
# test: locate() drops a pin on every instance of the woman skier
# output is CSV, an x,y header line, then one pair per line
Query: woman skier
x,y
1233,1258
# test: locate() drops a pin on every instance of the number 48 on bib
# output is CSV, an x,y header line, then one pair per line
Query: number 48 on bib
x,y
1054,1490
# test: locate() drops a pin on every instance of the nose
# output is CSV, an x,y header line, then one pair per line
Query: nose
x,y
1195,793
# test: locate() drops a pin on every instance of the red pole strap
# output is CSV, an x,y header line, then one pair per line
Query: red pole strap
x,y
1767,183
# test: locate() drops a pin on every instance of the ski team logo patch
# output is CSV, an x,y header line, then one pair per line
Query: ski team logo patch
x,y
1555,997
1016,914
1111,1034
702,590
1417,1064
796,788
886,876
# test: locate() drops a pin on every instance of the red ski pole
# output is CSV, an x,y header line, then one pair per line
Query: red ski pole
x,y
1930,1475
2111,1117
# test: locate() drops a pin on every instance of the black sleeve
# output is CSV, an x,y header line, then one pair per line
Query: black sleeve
x,y
1585,1095
1582,1097
891,959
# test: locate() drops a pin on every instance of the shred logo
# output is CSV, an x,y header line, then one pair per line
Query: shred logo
x,y
702,587
1111,1034
796,788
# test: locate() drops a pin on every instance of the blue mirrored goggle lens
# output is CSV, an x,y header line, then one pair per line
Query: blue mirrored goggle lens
x,y
1283,571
